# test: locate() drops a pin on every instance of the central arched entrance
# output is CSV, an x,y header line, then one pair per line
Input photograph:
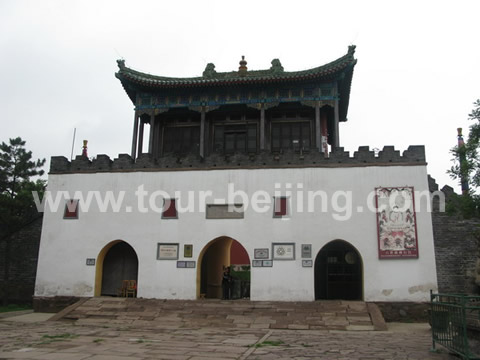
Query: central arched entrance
x,y
116,262
215,256
338,272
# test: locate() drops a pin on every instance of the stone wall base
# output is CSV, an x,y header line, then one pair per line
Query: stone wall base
x,y
53,304
404,311
392,311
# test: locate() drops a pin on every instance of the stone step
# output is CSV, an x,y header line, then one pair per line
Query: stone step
x,y
157,313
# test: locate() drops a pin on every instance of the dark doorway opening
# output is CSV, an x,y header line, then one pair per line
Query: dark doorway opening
x,y
120,263
338,272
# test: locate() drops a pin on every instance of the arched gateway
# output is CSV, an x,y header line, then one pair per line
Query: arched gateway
x,y
338,272
215,256
116,262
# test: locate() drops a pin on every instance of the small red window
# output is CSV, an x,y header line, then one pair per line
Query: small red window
x,y
169,209
71,210
280,206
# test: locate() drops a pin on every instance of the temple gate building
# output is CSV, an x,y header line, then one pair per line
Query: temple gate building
x,y
241,169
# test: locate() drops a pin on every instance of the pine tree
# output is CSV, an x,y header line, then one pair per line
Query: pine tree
x,y
17,207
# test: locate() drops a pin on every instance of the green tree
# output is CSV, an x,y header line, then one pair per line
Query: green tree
x,y
17,207
466,168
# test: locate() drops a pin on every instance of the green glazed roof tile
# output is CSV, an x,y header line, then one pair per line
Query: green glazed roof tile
x,y
211,77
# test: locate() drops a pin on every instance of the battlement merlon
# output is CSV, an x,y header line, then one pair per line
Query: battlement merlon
x,y
388,156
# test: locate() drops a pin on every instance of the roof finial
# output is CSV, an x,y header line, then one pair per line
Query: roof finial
x,y
242,70
84,148
121,63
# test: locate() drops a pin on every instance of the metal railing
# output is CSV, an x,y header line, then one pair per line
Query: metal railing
x,y
450,317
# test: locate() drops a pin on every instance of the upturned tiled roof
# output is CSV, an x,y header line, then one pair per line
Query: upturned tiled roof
x,y
210,77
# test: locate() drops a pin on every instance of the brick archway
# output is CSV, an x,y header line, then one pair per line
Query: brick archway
x,y
216,255
338,272
117,261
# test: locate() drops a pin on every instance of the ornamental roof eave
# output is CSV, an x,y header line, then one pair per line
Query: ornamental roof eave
x,y
340,69
126,74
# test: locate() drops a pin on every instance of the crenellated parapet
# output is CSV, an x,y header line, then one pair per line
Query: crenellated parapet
x,y
414,155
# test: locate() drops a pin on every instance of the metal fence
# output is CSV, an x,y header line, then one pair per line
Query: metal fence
x,y
451,316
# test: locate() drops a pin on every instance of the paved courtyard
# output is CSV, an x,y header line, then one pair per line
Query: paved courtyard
x,y
30,336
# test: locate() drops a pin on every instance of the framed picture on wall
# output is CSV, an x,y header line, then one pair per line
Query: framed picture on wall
x,y
260,253
257,263
187,250
283,251
307,263
306,251
167,251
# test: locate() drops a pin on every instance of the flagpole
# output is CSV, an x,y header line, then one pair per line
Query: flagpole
x,y
73,142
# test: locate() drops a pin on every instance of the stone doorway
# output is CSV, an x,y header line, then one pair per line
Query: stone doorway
x,y
338,272
116,262
215,256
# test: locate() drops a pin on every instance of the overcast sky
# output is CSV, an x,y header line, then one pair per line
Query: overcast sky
x,y
417,75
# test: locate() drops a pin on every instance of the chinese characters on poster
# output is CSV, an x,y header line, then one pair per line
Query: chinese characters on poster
x,y
396,223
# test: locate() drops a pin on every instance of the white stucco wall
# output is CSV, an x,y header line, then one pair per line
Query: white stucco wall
x,y
66,244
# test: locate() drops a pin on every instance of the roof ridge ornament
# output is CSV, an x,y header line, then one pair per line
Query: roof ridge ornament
x,y
276,66
121,64
209,71
242,69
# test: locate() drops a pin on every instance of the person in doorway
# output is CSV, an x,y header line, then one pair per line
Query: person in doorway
x,y
226,283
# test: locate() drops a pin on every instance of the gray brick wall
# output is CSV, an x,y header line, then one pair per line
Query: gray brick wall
x,y
456,252
456,249
23,263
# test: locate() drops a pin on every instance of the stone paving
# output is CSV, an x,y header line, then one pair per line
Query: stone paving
x,y
71,340
239,314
